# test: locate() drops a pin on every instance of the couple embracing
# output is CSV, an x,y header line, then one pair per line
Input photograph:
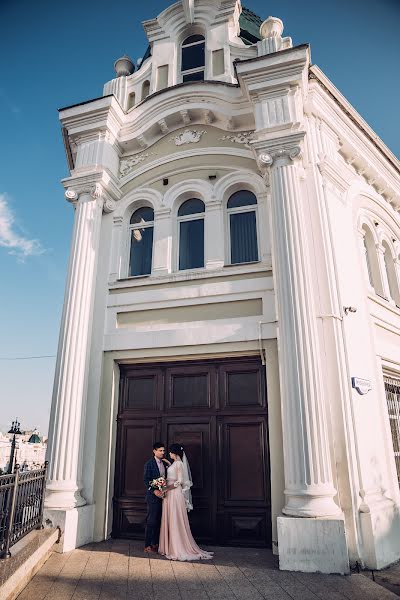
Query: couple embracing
x,y
167,525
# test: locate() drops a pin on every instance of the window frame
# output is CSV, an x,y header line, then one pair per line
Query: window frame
x,y
201,69
186,218
240,210
130,228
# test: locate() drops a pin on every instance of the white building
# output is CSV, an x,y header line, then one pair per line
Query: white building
x,y
234,284
30,450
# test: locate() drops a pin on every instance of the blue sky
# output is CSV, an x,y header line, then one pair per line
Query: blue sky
x,y
56,53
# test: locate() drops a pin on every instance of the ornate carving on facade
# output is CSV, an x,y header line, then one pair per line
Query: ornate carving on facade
x,y
128,164
242,137
189,136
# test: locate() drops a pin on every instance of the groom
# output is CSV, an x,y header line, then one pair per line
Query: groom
x,y
154,468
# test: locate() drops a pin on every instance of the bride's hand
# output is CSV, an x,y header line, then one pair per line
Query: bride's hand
x,y
166,461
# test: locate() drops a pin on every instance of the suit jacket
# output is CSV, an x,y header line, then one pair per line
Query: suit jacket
x,y
151,472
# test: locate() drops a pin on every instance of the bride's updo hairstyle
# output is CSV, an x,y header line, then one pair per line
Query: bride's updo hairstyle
x,y
176,449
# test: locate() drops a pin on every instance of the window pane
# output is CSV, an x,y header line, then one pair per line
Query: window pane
x,y
193,57
141,251
191,207
141,392
243,389
192,39
199,76
243,237
242,198
190,390
191,245
145,214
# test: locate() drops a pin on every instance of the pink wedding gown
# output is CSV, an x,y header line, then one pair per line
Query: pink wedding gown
x,y
176,540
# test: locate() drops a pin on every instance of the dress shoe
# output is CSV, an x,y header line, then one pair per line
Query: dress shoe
x,y
155,547
149,550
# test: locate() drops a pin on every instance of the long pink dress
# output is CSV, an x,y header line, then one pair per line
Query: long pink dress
x,y
176,540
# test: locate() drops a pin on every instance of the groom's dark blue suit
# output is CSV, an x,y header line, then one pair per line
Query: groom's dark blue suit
x,y
154,504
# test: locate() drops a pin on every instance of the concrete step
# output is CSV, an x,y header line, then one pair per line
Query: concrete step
x,y
27,557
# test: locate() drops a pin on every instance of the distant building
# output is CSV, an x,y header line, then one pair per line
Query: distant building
x,y
30,450
234,285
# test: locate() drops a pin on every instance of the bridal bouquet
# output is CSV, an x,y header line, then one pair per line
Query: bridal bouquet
x,y
159,484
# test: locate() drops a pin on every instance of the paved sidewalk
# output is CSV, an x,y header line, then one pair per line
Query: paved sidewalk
x,y
117,570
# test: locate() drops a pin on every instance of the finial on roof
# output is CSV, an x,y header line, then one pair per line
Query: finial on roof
x,y
188,9
124,66
272,41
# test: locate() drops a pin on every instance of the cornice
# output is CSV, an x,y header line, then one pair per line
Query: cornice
x,y
352,114
334,174
366,155
96,116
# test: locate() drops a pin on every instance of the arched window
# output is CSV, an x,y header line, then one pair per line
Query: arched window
x,y
141,228
371,258
191,234
242,215
131,100
145,89
391,274
193,58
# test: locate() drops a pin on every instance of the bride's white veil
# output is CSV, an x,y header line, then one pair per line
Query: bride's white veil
x,y
187,483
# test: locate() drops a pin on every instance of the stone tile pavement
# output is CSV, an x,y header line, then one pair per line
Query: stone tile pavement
x,y
119,570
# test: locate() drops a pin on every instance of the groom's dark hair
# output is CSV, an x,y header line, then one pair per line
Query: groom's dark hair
x,y
158,445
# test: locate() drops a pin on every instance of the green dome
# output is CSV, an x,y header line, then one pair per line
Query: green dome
x,y
34,439
249,26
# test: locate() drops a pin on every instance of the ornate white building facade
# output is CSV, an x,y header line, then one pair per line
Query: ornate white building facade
x,y
234,284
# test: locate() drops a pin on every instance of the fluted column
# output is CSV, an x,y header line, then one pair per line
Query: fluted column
x,y
309,488
70,383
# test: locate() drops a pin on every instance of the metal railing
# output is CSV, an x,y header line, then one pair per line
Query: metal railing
x,y
21,505
392,389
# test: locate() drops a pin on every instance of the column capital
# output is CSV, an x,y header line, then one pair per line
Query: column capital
x,y
284,149
96,192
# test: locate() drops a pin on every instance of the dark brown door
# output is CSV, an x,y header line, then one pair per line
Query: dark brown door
x,y
197,435
217,411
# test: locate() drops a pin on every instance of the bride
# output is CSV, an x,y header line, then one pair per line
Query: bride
x,y
176,540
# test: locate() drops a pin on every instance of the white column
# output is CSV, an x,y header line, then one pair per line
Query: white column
x,y
70,383
309,488
214,235
162,244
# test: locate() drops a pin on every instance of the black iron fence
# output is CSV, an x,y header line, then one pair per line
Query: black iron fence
x,y
21,505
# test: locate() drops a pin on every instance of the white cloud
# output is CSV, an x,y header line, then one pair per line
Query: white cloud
x,y
10,238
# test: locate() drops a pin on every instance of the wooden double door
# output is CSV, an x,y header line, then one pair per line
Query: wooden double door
x,y
217,410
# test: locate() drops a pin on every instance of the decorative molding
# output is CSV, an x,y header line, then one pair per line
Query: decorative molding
x,y
127,165
289,153
333,174
242,137
189,136
142,141
185,117
163,126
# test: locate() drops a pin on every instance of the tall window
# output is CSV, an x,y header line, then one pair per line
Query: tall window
x,y
145,89
193,58
391,274
141,228
242,215
191,234
392,389
371,257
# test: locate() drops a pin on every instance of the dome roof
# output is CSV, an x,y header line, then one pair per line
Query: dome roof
x,y
34,439
249,26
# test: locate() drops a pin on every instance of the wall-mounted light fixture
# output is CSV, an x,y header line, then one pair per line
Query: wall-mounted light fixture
x,y
349,309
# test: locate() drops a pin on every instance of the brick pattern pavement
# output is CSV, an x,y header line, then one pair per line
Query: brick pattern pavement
x,y
119,570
